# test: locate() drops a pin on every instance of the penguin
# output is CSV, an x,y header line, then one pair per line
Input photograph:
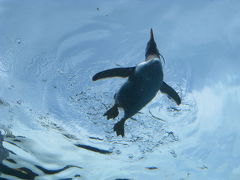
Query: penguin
x,y
142,84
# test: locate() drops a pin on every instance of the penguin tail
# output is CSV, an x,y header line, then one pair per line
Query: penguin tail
x,y
112,112
119,127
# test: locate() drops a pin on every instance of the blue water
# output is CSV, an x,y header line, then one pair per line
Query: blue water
x,y
52,124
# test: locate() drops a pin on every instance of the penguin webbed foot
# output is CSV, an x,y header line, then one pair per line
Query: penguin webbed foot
x,y
119,128
112,112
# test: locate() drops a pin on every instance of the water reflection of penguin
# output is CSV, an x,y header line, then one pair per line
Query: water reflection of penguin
x,y
144,81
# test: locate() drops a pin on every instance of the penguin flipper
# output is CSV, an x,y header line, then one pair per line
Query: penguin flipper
x,y
166,89
116,72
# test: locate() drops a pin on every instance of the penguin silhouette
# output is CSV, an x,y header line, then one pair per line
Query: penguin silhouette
x,y
142,85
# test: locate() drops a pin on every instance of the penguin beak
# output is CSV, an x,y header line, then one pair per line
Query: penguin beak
x,y
151,35
151,49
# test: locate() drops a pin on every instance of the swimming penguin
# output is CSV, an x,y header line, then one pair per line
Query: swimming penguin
x,y
142,85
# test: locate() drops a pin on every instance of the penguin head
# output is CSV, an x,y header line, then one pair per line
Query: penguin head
x,y
152,50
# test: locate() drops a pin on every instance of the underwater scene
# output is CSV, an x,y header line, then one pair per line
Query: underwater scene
x,y
119,90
